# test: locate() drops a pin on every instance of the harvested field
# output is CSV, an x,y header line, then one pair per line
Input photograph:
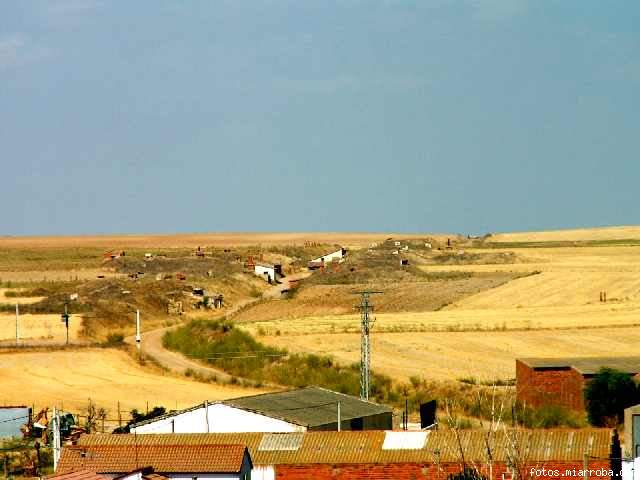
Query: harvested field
x,y
554,313
192,240
569,276
454,355
524,319
47,327
69,378
316,300
558,289
38,275
580,234
12,300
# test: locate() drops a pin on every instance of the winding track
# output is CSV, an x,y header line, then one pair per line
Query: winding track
x,y
179,363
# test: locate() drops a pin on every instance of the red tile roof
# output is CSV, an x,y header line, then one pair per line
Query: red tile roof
x,y
78,475
163,458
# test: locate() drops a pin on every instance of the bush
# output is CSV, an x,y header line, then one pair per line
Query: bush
x,y
468,473
606,396
114,340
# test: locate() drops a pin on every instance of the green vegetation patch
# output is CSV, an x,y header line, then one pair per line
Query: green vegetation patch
x,y
235,351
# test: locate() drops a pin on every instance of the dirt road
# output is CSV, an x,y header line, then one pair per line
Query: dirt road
x,y
179,363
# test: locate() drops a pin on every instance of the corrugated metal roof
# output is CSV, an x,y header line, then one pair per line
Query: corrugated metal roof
x,y
163,457
367,446
309,407
273,441
586,365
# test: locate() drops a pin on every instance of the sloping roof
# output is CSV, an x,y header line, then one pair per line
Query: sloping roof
x,y
154,476
586,365
78,475
309,407
369,446
218,457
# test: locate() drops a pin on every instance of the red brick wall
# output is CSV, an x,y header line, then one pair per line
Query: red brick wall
x,y
537,388
429,471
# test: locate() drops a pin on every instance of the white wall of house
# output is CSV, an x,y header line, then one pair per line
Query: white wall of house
x,y
263,472
330,257
221,418
262,270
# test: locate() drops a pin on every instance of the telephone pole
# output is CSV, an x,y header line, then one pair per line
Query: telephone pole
x,y
65,320
366,308
17,325
138,336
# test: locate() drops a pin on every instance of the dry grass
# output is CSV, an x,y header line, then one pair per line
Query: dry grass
x,y
230,239
39,327
43,275
604,233
453,355
317,300
570,276
20,300
555,313
69,378
458,320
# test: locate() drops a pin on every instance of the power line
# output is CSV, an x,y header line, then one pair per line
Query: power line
x,y
366,309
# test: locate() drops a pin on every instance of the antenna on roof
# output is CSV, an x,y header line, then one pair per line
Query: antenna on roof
x,y
366,309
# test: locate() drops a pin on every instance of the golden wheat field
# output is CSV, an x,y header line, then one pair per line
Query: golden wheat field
x,y
454,355
572,235
12,300
68,378
556,312
192,240
40,327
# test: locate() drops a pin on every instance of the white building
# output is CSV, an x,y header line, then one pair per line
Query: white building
x,y
311,408
269,272
330,257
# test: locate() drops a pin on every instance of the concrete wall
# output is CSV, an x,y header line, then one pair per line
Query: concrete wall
x,y
221,418
540,387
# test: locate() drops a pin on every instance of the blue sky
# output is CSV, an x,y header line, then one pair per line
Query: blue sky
x,y
461,116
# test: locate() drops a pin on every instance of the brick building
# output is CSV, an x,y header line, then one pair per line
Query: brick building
x,y
561,381
397,455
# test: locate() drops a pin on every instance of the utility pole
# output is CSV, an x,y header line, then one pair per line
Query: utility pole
x,y
366,309
56,438
138,337
339,418
17,325
65,320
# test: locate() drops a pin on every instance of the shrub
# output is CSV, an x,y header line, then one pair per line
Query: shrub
x,y
606,396
114,340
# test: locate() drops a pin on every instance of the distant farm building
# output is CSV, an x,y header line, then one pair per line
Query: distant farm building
x,y
310,408
270,272
393,455
561,381
319,262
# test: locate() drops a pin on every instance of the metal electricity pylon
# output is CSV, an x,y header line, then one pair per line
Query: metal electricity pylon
x,y
366,309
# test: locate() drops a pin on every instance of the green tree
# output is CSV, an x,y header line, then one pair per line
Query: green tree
x,y
606,396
